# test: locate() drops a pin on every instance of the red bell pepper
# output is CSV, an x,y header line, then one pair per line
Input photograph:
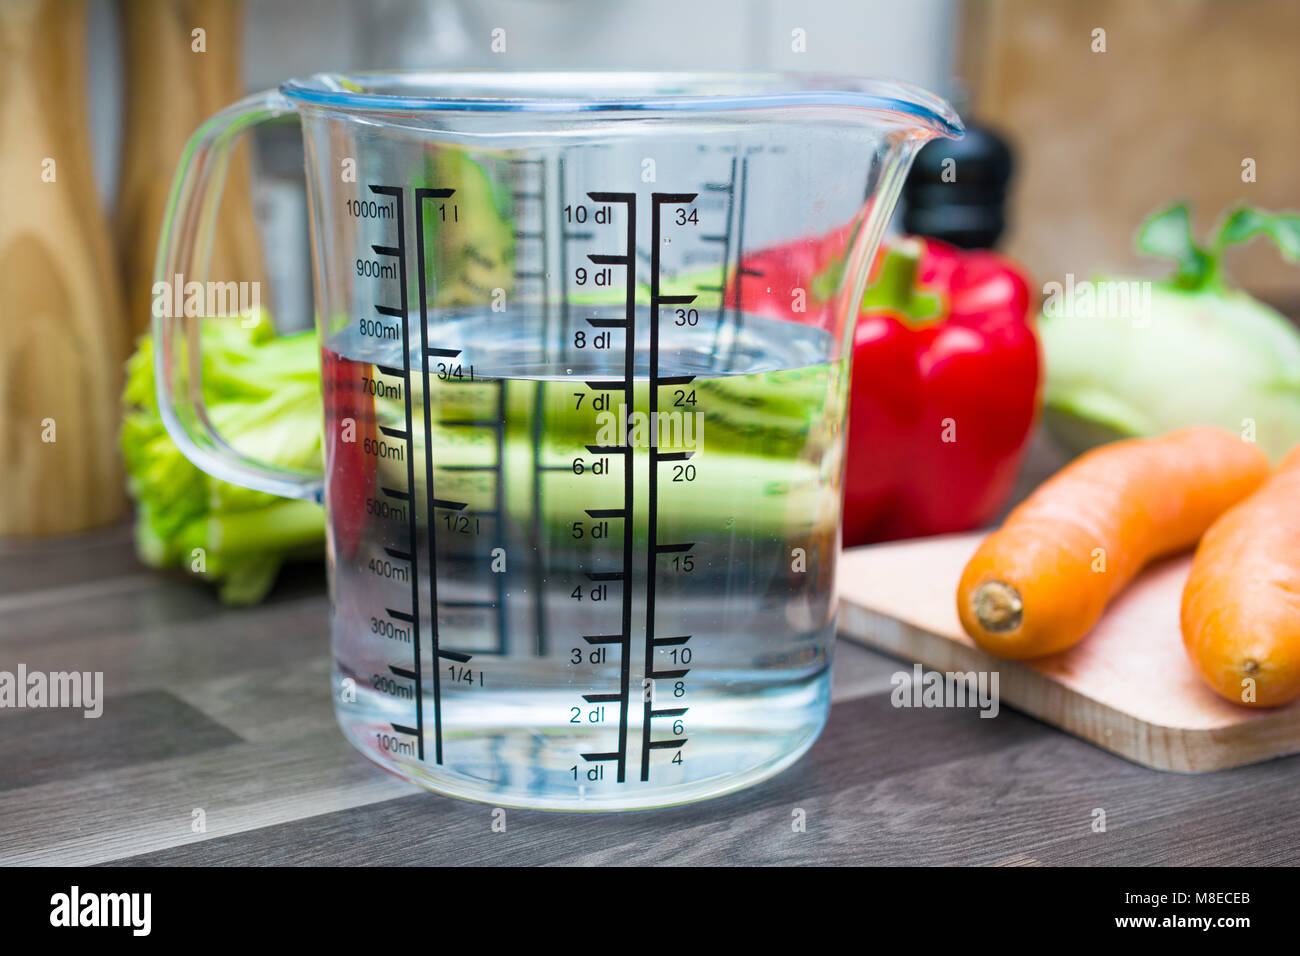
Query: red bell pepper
x,y
945,387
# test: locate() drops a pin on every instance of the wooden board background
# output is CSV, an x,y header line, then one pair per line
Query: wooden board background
x,y
1185,90
1128,687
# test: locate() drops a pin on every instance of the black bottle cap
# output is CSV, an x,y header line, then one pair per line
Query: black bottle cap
x,y
957,189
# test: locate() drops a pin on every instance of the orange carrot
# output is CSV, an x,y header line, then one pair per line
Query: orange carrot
x,y
1039,583
1241,604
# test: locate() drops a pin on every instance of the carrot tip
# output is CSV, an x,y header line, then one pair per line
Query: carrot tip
x,y
998,607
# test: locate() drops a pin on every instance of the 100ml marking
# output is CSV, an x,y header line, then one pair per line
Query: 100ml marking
x,y
395,745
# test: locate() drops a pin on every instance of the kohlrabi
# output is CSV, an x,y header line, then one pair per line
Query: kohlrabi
x,y
1128,357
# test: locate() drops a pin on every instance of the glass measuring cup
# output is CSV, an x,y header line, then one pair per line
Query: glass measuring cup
x,y
585,343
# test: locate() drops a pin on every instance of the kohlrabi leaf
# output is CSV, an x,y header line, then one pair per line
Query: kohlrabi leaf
x,y
1168,235
1246,223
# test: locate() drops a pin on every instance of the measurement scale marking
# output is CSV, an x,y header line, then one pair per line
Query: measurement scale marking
x,y
627,259
673,548
398,194
654,548
671,641
423,195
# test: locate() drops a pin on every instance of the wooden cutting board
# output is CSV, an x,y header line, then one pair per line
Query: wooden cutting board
x,y
1128,687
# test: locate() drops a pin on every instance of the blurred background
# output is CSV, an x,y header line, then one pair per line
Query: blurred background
x,y
1183,92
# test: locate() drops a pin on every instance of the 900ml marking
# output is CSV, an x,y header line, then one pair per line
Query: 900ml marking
x,y
373,268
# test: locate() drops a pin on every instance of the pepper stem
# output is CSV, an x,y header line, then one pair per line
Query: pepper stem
x,y
895,291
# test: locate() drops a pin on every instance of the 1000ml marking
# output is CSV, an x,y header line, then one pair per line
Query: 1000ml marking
x,y
368,209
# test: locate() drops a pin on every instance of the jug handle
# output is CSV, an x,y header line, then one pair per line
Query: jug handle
x,y
184,250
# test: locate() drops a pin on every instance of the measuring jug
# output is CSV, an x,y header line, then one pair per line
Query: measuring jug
x,y
585,347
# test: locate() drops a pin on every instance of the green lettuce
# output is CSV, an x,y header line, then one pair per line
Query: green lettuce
x,y
263,394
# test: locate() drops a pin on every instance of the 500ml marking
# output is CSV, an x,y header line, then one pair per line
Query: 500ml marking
x,y
382,509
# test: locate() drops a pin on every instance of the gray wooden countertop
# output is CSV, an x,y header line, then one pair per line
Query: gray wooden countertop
x,y
228,711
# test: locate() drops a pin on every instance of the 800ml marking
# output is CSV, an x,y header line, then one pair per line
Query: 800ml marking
x,y
375,329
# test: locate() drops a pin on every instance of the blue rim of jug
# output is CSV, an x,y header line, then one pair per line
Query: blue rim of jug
x,y
332,90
